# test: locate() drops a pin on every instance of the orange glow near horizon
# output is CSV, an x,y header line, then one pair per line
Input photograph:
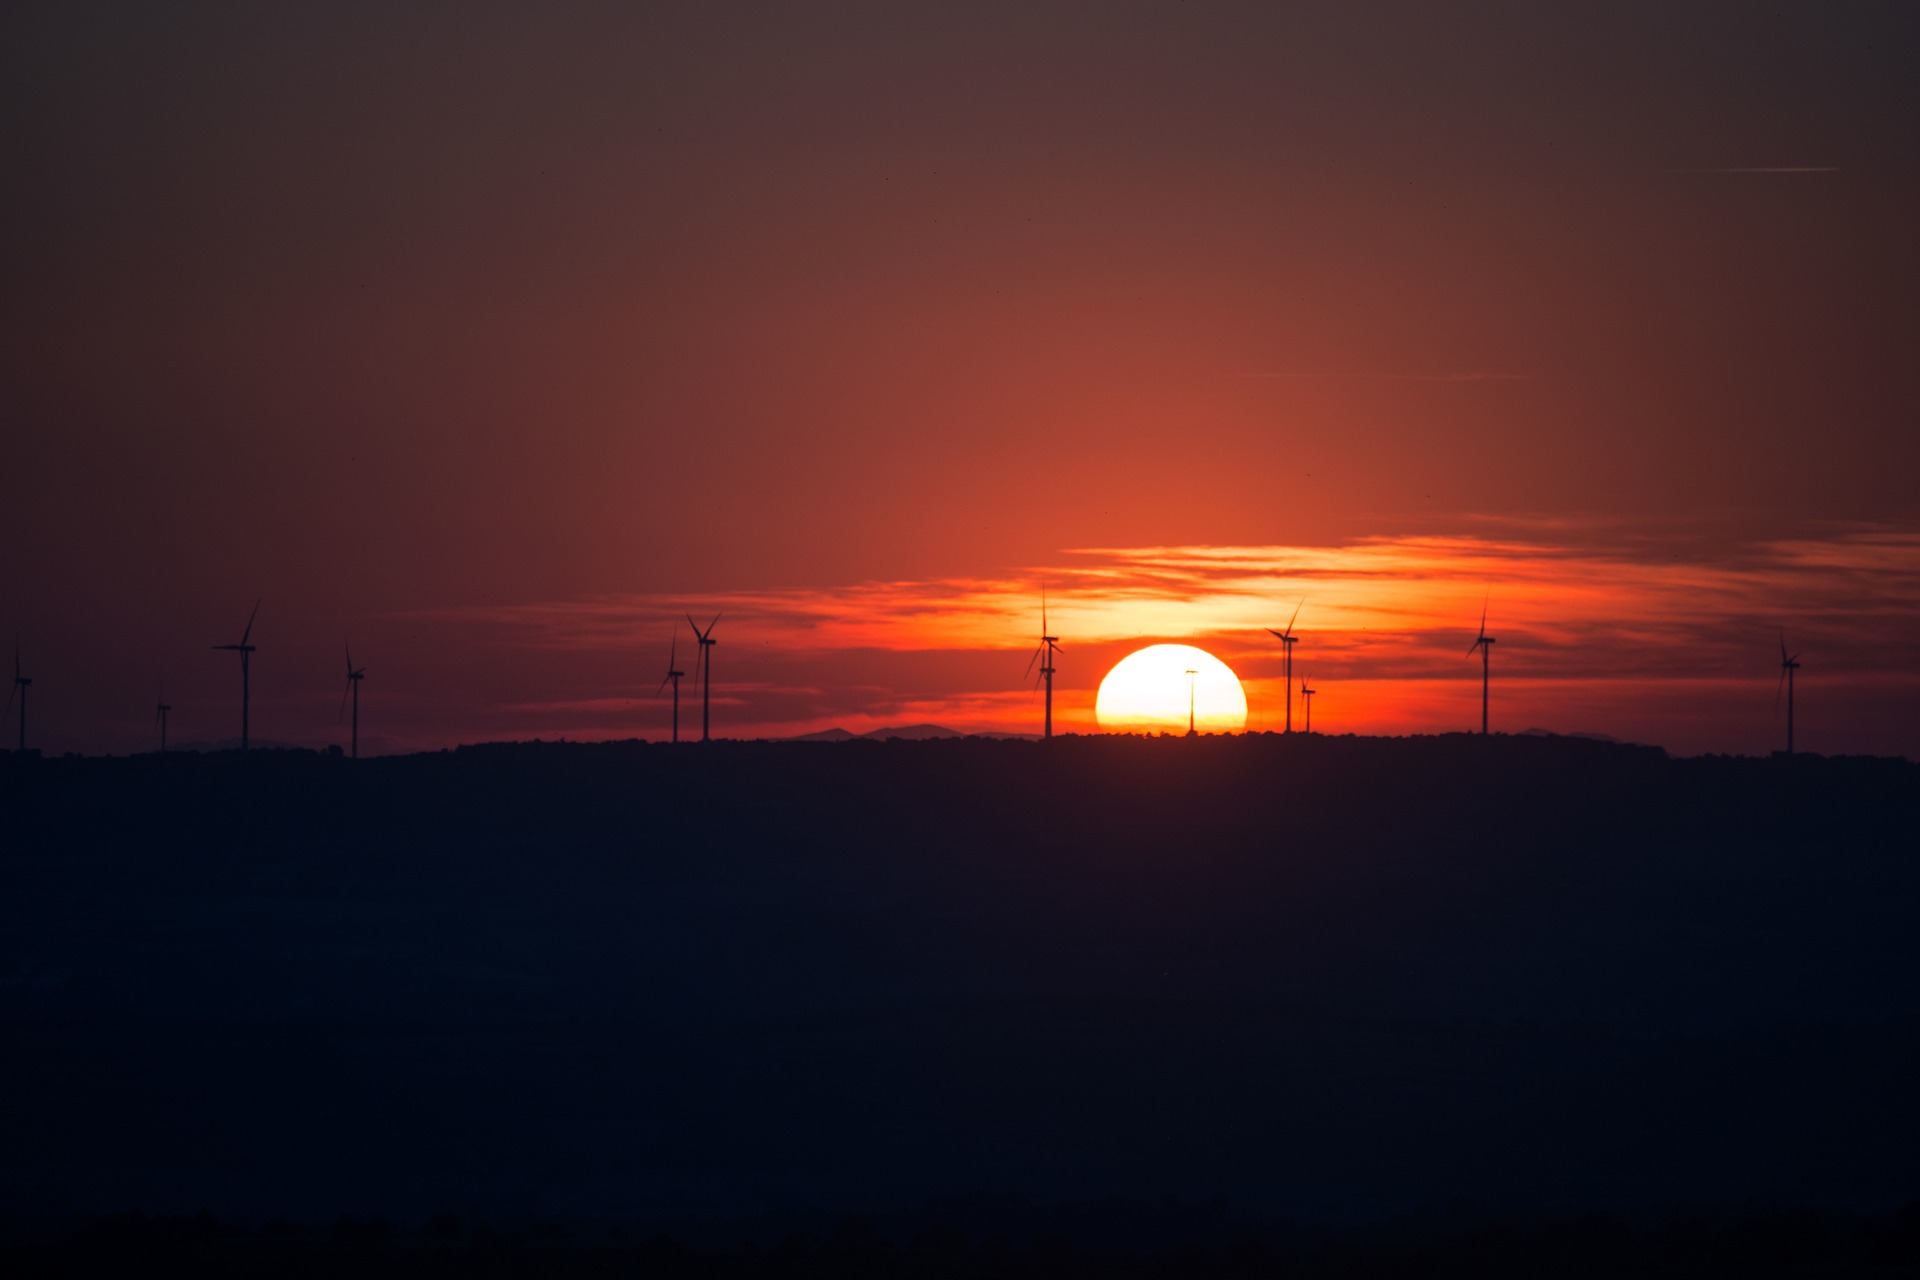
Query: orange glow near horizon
x,y
1621,636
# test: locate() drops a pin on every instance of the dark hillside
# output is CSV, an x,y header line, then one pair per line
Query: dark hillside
x,y
1326,977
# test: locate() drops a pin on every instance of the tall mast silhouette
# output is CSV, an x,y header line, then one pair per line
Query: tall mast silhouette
x,y
1049,645
673,677
1288,640
703,671
245,651
1192,675
20,686
1306,696
1787,667
353,688
160,709
1484,643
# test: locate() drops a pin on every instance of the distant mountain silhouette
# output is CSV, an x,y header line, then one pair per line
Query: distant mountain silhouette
x,y
908,732
1555,733
914,732
233,744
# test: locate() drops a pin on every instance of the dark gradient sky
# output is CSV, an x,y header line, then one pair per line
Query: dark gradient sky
x,y
380,310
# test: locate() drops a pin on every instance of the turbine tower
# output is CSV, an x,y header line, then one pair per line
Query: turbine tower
x,y
1484,643
703,671
160,710
1288,639
1306,696
673,677
354,677
20,686
1049,645
1788,665
1192,675
245,651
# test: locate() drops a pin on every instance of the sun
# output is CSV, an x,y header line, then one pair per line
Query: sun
x,y
1147,692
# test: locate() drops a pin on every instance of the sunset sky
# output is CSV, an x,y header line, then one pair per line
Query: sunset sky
x,y
496,338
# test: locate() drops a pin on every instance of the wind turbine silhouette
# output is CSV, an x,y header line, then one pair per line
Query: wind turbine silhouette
x,y
1288,640
1787,667
1192,675
1306,696
1049,645
160,709
353,687
703,671
673,676
20,686
245,651
1484,643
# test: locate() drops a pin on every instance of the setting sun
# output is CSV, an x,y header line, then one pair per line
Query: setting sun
x,y
1153,690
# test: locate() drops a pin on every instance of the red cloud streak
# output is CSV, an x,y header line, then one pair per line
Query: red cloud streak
x,y
1628,640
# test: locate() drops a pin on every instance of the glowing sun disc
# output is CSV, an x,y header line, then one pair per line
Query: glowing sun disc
x,y
1146,692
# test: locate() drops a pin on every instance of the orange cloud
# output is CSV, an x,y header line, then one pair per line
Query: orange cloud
x,y
1627,633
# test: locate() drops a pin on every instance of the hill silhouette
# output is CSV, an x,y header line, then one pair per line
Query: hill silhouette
x,y
909,732
1331,979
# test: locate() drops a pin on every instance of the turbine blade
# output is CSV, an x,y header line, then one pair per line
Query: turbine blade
x,y
250,617
1030,661
1779,687
1296,615
343,701
714,623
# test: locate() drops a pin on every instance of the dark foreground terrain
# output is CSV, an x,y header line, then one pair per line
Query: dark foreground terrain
x,y
1754,1244
736,991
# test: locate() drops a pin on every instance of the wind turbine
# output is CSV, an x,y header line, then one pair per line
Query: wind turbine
x,y
1288,639
353,687
1306,696
673,676
1484,643
1049,645
1192,675
20,686
160,709
1787,667
703,671
245,651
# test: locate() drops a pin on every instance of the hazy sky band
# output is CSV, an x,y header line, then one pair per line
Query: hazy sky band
x,y
1396,614
1411,585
